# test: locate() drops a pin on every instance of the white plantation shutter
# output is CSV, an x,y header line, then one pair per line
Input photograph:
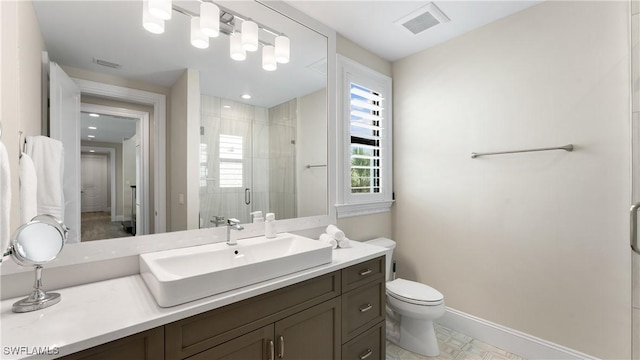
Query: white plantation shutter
x,y
365,103
365,136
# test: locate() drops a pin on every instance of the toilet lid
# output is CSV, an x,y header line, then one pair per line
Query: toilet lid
x,y
411,290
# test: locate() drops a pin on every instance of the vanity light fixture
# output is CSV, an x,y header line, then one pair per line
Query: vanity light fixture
x,y
282,49
160,9
269,58
214,20
198,38
236,51
249,35
210,19
151,23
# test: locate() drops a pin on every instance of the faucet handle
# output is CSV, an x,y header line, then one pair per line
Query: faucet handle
x,y
232,221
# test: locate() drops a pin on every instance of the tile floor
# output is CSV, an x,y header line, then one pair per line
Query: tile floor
x,y
454,345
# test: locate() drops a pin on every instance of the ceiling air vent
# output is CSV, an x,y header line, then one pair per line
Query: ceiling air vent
x,y
107,63
422,19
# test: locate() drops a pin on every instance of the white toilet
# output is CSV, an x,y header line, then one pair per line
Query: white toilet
x,y
415,305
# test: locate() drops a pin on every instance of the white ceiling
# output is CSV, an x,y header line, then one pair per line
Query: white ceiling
x,y
109,129
370,23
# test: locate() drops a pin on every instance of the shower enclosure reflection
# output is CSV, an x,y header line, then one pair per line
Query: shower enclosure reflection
x,y
254,159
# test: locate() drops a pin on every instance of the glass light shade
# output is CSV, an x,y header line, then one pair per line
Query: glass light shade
x,y
236,51
151,23
198,38
210,19
268,58
160,9
282,49
249,35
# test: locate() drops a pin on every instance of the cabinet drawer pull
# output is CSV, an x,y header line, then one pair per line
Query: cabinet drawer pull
x,y
366,354
366,308
365,272
281,351
272,350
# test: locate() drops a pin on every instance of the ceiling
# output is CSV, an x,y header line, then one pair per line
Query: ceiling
x,y
370,23
109,129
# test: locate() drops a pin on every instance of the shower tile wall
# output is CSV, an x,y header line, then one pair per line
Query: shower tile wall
x,y
282,177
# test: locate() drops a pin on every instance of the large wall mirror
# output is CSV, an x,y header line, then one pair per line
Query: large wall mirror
x,y
266,153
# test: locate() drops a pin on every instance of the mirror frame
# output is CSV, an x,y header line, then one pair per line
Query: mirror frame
x,y
109,250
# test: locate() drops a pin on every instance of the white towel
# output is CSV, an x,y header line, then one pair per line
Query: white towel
x,y
344,243
329,240
48,158
5,198
335,232
28,189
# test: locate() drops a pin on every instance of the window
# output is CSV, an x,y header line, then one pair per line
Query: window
x,y
365,105
231,161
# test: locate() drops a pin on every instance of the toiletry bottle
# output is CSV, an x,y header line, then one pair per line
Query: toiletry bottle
x,y
269,226
256,217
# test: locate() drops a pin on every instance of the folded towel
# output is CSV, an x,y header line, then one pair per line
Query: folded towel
x,y
48,158
335,232
329,240
5,198
28,189
344,243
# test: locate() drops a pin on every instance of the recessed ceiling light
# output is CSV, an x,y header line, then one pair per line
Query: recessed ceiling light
x,y
94,115
226,106
91,136
92,151
246,96
93,128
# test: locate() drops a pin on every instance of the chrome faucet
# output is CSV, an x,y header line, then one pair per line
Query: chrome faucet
x,y
235,225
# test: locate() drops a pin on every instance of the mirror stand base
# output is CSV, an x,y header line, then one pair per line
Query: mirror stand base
x,y
36,301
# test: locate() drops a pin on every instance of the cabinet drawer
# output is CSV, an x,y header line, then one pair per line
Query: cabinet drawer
x,y
369,345
360,274
362,308
195,334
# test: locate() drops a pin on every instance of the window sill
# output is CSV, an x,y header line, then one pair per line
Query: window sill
x,y
349,210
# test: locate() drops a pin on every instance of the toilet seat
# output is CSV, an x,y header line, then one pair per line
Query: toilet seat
x,y
414,292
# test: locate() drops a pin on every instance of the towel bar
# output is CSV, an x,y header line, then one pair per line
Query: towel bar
x,y
566,148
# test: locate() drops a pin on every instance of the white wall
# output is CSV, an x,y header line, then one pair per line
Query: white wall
x,y
311,183
21,46
128,174
183,148
537,242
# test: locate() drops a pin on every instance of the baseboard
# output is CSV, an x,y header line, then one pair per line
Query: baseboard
x,y
513,341
117,218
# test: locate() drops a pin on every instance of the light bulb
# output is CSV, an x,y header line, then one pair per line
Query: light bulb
x,y
268,58
160,9
151,23
249,35
236,51
282,49
198,38
210,19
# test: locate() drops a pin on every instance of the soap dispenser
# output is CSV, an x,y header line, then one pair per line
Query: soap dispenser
x,y
269,226
256,217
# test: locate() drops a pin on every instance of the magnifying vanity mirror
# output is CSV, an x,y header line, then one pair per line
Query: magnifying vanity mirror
x,y
241,155
35,244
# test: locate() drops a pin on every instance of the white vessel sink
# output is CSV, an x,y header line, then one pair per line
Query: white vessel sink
x,y
182,275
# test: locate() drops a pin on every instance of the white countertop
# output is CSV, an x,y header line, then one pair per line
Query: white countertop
x,y
96,313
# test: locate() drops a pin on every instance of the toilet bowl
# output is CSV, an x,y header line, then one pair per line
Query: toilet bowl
x,y
414,305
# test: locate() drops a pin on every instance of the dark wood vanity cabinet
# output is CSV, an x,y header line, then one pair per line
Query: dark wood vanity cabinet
x,y
339,315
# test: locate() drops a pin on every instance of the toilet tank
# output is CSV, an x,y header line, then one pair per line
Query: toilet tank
x,y
390,245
